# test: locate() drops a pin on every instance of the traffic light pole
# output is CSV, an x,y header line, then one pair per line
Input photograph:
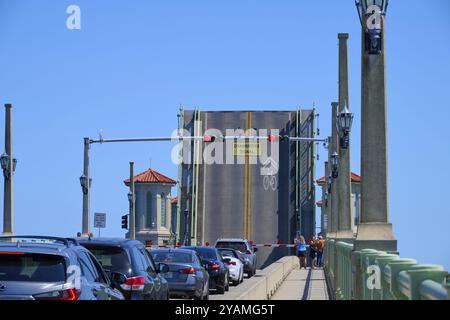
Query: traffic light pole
x,y
8,173
186,238
186,225
86,188
132,230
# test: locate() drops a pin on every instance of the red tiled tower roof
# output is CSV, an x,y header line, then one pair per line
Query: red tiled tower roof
x,y
355,178
150,176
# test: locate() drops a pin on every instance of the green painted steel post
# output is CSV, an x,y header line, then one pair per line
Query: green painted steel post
x,y
344,272
331,262
381,261
348,268
370,261
360,264
338,265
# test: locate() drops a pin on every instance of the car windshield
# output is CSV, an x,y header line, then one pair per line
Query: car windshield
x,y
206,253
168,257
32,267
240,246
228,253
112,258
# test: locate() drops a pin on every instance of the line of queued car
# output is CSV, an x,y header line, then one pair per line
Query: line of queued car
x,y
55,268
194,271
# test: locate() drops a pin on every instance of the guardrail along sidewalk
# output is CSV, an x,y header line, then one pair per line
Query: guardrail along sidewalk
x,y
377,275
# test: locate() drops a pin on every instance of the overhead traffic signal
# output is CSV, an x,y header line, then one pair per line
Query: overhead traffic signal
x,y
272,138
208,138
125,222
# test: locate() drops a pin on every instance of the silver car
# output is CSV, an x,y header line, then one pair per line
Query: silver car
x,y
49,268
187,276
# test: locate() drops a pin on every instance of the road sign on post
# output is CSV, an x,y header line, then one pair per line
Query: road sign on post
x,y
99,221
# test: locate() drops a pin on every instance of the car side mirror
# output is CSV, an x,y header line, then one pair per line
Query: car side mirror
x,y
163,268
255,249
117,278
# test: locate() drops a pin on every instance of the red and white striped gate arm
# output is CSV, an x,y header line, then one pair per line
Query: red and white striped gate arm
x,y
272,245
254,245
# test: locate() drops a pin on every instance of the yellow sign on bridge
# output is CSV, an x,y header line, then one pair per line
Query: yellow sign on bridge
x,y
246,148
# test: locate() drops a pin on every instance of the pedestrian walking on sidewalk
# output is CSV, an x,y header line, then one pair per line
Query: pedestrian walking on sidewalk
x,y
320,244
312,251
301,251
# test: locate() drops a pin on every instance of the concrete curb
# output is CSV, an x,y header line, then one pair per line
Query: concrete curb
x,y
265,283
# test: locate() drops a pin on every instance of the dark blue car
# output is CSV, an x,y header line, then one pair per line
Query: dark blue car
x,y
130,267
216,267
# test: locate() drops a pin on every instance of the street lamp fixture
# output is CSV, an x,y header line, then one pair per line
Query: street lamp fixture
x,y
334,165
130,197
344,123
371,13
5,163
83,180
83,183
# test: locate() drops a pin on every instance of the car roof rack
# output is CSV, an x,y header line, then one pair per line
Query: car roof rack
x,y
66,241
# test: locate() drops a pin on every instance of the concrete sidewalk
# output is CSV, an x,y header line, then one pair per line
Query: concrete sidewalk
x,y
303,285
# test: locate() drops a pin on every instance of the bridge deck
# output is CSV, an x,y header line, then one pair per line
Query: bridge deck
x,y
303,285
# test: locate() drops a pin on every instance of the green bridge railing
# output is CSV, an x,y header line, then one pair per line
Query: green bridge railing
x,y
378,275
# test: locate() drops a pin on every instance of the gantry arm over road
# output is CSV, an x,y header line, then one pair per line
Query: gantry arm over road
x,y
86,180
208,138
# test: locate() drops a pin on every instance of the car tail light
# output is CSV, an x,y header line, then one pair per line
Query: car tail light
x,y
190,270
214,266
133,284
69,294
231,263
247,252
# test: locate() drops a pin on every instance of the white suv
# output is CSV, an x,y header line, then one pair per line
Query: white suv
x,y
245,248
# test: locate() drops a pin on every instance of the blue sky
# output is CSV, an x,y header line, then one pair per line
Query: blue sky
x,y
131,65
